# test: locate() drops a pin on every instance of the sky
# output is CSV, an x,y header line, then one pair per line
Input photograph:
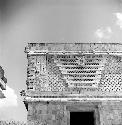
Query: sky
x,y
24,21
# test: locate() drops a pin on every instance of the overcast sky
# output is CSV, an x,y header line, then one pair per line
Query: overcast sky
x,y
23,21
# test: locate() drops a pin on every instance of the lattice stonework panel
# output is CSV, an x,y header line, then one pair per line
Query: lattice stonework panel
x,y
48,72
112,75
114,65
80,71
111,82
55,79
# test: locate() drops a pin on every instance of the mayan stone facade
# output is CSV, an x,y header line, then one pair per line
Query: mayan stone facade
x,y
74,77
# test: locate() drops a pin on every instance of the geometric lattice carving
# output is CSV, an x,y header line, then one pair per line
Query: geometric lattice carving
x,y
57,67
80,71
43,74
56,82
112,75
111,82
56,72
113,65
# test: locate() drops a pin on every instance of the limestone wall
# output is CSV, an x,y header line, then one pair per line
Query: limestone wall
x,y
47,114
42,113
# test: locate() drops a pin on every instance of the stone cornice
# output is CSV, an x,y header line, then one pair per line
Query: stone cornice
x,y
30,99
65,48
86,94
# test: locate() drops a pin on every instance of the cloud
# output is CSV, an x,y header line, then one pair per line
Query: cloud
x,y
11,98
103,33
119,19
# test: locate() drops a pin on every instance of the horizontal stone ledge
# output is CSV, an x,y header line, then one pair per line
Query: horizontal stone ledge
x,y
75,53
94,93
63,48
30,99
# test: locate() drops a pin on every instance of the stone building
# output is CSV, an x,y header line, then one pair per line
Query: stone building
x,y
3,82
69,82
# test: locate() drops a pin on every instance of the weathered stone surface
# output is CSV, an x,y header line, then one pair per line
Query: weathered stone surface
x,y
76,47
107,113
74,77
50,74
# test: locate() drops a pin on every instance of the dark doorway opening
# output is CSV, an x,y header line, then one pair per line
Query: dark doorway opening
x,y
82,118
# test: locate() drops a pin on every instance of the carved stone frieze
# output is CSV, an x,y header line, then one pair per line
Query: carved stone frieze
x,y
74,73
